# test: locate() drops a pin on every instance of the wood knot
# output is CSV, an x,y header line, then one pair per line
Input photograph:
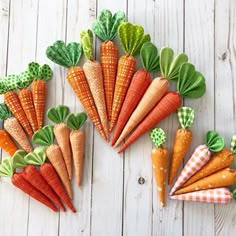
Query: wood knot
x,y
224,56
141,180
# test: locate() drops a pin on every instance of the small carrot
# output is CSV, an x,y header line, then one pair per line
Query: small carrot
x,y
45,137
190,84
13,127
139,84
6,142
160,162
182,141
77,139
199,158
132,38
62,133
69,56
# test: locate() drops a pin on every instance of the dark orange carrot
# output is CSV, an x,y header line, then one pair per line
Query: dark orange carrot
x,y
6,143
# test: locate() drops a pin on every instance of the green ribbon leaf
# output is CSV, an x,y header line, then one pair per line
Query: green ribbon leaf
x,y
6,168
86,37
25,79
58,114
18,159
76,121
37,157
233,144
214,141
186,117
158,136
43,72
44,136
3,88
5,113
12,82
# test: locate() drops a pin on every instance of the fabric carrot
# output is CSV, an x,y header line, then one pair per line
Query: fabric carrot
x,y
17,179
69,56
190,84
132,38
13,127
199,158
221,178
105,27
182,141
160,162
93,73
45,137
6,143
62,133
169,66
218,161
41,75
139,84
77,140
217,195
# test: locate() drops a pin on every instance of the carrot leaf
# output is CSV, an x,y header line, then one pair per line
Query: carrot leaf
x,y
37,157
158,137
5,113
25,79
234,194
18,159
214,141
44,136
186,117
86,37
12,82
6,168
132,37
233,144
65,55
58,114
106,25
76,121
43,72
191,83
3,88
149,57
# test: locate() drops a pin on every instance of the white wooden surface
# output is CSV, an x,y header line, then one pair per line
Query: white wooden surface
x,y
111,201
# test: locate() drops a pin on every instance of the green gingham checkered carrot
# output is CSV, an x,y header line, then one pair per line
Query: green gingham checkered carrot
x,y
182,140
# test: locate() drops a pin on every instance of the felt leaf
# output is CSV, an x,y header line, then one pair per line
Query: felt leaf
x,y
45,72
233,144
18,159
58,114
6,168
191,83
166,57
5,113
186,117
234,194
75,52
76,121
86,37
3,88
34,69
149,57
37,157
12,82
25,79
41,154
214,141
44,136
158,137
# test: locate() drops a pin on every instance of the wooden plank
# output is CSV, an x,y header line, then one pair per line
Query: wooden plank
x,y
225,61
199,45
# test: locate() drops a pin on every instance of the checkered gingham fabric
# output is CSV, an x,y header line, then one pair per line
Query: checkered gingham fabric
x,y
233,144
198,159
217,195
186,117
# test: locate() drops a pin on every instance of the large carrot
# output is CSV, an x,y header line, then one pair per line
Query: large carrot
x,y
169,66
62,133
77,139
6,143
13,127
190,84
105,27
45,137
199,158
139,84
69,56
41,75
17,179
182,141
132,38
160,162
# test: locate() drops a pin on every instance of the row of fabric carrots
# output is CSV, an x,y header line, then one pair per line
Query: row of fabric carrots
x,y
207,174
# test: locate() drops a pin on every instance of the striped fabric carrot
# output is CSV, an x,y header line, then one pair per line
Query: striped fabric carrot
x,y
13,127
45,137
169,66
93,73
190,84
105,27
6,143
139,84
132,38
69,56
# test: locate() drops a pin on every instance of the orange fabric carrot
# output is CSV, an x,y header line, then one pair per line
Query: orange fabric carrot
x,y
77,140
182,141
132,38
6,143
160,162
69,56
105,27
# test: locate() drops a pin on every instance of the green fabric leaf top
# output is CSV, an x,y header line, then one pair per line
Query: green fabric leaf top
x,y
86,37
214,141
132,37
106,25
43,72
233,144
37,157
18,159
191,83
25,79
3,88
76,121
186,117
234,194
12,82
158,137
6,168
5,113
65,55
149,57
169,64
44,136
58,114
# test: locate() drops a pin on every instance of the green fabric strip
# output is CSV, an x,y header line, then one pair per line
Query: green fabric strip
x,y
86,37
76,121
186,117
6,168
158,136
214,141
18,160
58,114
233,144
44,136
5,113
